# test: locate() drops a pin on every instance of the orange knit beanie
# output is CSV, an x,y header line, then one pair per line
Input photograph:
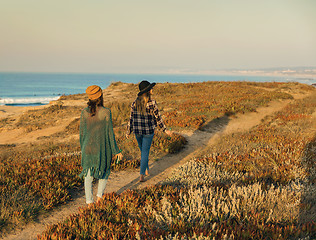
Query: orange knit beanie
x,y
94,92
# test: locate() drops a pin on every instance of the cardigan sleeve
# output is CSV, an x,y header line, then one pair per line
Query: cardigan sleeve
x,y
114,148
82,127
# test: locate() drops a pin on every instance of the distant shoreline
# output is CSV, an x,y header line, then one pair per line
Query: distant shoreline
x,y
275,73
248,73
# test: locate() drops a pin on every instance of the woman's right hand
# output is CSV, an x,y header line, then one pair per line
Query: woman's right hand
x,y
168,132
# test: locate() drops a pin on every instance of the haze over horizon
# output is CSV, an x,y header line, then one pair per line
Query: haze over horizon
x,y
156,36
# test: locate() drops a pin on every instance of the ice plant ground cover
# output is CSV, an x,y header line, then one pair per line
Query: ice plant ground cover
x,y
261,187
41,177
31,185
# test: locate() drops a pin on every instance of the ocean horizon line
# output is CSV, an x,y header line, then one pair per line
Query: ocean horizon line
x,y
23,88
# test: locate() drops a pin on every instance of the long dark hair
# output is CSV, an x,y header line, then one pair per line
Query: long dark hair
x,y
93,104
141,102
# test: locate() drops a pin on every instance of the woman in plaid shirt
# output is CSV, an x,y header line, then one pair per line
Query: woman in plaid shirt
x,y
143,120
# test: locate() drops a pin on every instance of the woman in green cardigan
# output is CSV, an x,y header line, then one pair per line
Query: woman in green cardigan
x,y
97,142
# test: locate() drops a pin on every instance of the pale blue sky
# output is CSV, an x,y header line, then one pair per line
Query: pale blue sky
x,y
126,36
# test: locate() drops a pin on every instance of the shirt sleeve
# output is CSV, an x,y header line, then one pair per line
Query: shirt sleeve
x,y
130,122
158,118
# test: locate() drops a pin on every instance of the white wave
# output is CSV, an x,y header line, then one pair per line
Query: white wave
x,y
25,101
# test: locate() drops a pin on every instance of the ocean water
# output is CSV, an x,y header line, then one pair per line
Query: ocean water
x,y
31,89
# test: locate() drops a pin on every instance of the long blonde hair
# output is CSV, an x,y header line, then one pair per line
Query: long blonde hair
x,y
141,102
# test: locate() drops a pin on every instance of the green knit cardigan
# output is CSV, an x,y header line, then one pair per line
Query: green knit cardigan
x,y
97,142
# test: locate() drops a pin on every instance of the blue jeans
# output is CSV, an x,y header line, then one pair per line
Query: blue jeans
x,y
144,143
88,187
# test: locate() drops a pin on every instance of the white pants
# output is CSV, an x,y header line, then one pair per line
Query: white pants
x,y
89,190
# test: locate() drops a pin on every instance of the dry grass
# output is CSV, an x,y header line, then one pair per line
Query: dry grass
x,y
47,117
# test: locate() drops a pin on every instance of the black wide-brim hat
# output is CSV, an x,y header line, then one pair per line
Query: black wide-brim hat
x,y
145,86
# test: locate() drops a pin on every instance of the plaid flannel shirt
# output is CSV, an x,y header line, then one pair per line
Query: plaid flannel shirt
x,y
145,124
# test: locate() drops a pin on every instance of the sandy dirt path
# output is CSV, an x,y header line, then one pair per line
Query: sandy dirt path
x,y
159,169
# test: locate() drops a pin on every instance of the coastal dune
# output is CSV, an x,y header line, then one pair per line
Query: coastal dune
x,y
200,140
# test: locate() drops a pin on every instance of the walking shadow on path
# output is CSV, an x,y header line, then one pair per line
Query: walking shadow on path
x,y
307,212
196,142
